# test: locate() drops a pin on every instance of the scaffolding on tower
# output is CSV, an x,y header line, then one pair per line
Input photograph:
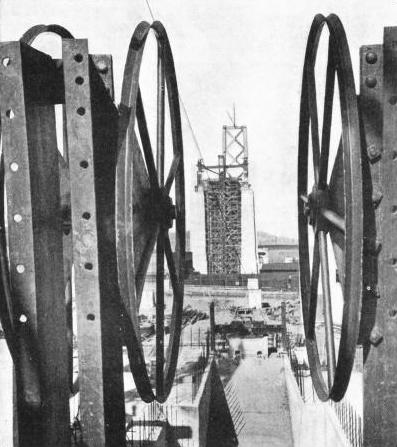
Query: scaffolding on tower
x,y
223,186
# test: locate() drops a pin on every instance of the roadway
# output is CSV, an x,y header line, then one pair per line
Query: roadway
x,y
260,387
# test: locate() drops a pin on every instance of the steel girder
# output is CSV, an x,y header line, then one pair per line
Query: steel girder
x,y
80,213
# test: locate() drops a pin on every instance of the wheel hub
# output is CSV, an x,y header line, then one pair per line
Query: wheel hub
x,y
318,199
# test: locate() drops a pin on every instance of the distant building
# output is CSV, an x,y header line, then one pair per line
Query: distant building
x,y
277,253
279,276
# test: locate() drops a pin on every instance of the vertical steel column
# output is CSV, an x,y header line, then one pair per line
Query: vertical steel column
x,y
35,243
379,328
92,136
212,325
284,325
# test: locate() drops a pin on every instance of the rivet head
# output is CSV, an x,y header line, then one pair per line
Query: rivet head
x,y
370,81
102,67
373,151
376,337
371,57
377,196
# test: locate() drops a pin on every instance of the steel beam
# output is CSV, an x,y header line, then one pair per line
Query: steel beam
x,y
92,136
378,99
35,243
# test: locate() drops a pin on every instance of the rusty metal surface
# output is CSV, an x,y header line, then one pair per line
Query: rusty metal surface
x,y
378,99
92,136
62,217
316,208
35,244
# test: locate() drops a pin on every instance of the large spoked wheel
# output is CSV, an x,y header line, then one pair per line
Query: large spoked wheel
x,y
333,208
145,212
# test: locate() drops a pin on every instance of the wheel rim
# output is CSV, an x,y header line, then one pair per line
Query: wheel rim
x,y
334,208
32,33
137,231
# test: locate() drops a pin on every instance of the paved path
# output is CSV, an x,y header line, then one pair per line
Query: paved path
x,y
260,387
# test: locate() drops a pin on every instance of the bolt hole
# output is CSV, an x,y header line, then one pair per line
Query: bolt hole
x,y
14,167
370,82
88,266
78,57
79,80
84,164
86,216
90,317
393,313
6,61
17,218
393,100
10,114
23,318
81,111
20,268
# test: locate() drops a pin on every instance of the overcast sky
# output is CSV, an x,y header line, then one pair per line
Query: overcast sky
x,y
247,52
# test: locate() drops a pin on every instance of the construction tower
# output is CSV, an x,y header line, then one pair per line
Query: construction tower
x,y
226,241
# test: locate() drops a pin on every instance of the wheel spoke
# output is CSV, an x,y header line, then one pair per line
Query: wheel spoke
x,y
160,315
333,218
314,123
327,118
337,203
176,320
304,198
171,265
314,290
160,113
171,175
329,329
146,144
336,184
144,231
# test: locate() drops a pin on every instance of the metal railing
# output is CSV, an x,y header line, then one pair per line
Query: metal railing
x,y
235,409
350,422
348,417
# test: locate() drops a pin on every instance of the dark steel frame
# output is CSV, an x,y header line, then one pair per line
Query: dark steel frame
x,y
69,211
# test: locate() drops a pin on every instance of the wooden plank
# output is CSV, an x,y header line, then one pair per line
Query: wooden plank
x,y
35,249
92,136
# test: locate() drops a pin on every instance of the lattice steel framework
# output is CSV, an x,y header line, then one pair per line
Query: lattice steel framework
x,y
222,199
223,225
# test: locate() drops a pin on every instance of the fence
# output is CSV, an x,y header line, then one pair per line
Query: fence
x,y
300,372
234,406
350,422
